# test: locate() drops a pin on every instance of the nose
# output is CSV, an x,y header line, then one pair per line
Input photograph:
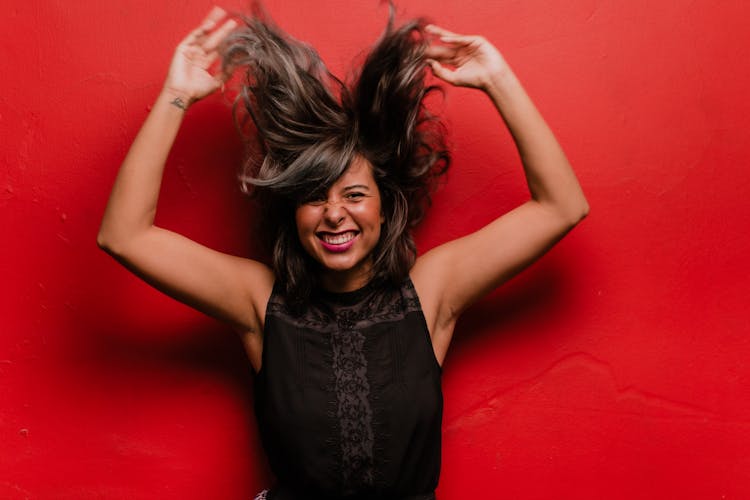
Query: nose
x,y
334,213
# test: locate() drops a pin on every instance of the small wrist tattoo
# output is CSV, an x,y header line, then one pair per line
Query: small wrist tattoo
x,y
179,103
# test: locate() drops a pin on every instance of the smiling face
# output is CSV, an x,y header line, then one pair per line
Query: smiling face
x,y
341,228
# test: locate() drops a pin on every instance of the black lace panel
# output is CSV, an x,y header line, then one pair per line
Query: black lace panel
x,y
354,412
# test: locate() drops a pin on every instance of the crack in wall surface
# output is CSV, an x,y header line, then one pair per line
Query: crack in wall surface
x,y
593,389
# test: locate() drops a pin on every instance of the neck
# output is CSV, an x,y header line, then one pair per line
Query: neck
x,y
345,281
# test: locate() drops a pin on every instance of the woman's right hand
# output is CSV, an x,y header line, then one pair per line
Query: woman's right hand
x,y
189,78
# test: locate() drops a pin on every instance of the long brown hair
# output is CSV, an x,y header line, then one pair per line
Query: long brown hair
x,y
308,125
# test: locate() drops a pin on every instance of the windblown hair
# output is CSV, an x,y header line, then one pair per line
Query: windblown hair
x,y
309,125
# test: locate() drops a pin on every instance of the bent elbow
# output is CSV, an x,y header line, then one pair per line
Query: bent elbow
x,y
103,242
571,216
119,243
108,243
584,211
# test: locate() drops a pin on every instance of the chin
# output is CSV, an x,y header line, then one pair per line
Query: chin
x,y
346,267
342,265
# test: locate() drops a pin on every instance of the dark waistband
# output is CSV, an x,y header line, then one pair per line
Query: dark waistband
x,y
281,492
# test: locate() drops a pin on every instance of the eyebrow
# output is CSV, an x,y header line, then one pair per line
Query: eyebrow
x,y
356,186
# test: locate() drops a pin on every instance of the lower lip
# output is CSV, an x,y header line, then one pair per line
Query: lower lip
x,y
343,247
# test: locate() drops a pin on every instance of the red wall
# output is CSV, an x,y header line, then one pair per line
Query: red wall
x,y
616,367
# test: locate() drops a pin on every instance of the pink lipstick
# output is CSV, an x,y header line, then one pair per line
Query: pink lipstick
x,y
337,247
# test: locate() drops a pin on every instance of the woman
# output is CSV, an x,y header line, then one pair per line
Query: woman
x,y
348,329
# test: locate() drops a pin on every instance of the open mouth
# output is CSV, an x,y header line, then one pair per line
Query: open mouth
x,y
337,242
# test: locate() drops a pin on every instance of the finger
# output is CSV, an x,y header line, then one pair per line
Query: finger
x,y
220,34
439,52
221,78
212,63
440,71
459,40
437,30
210,58
213,17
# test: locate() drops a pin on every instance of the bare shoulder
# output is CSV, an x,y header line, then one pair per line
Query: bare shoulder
x,y
430,274
259,280
428,278
427,284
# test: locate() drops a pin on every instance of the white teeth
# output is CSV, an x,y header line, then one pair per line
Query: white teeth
x,y
338,239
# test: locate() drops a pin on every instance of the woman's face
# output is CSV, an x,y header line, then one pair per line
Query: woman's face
x,y
341,228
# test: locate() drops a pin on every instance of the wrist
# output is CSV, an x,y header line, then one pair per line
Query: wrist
x,y
177,98
500,82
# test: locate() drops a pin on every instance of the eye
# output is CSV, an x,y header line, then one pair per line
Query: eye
x,y
354,196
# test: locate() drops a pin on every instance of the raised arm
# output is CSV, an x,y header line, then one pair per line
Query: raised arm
x,y
454,275
229,288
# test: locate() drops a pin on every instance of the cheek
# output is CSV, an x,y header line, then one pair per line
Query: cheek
x,y
372,214
305,222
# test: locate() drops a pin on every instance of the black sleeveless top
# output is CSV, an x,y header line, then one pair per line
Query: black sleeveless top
x,y
348,398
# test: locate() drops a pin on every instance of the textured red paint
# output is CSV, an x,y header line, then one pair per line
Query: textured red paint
x,y
616,367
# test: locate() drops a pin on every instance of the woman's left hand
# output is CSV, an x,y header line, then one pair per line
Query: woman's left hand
x,y
475,60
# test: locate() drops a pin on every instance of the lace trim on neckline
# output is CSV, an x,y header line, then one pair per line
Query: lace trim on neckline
x,y
346,298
